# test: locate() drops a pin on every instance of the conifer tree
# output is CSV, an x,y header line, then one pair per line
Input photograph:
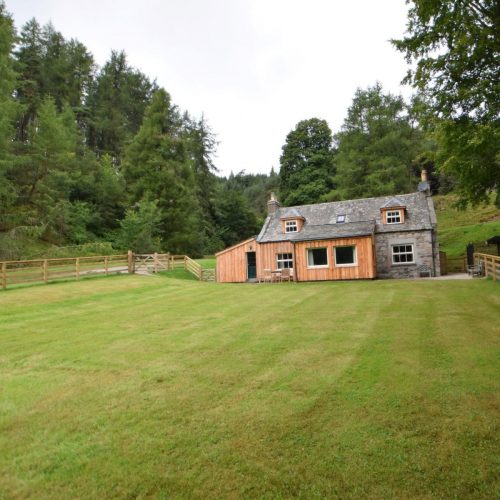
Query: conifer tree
x,y
157,168
376,147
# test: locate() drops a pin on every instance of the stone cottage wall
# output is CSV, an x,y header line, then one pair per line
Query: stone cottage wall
x,y
423,252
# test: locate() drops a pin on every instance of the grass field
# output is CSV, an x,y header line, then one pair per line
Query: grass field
x,y
161,387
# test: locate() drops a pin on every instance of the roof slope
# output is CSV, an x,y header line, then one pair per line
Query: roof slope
x,y
362,217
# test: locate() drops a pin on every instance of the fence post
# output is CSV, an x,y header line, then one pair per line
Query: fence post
x,y
130,261
106,265
45,271
77,268
4,274
155,262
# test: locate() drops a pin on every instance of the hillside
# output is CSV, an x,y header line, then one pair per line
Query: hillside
x,y
457,228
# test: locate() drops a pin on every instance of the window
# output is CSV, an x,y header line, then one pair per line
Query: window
x,y
345,256
290,226
402,254
393,217
317,257
340,218
284,261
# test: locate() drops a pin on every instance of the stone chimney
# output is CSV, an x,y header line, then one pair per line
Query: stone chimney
x,y
424,185
272,205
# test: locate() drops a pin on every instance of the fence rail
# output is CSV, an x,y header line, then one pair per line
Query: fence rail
x,y
193,267
489,263
18,272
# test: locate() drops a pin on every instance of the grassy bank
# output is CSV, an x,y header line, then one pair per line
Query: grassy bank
x,y
458,228
152,386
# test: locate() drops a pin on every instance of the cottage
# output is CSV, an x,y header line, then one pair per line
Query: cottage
x,y
385,237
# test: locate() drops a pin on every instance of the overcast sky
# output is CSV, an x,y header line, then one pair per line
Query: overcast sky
x,y
254,68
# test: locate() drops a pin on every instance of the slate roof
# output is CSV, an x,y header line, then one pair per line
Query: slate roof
x,y
363,217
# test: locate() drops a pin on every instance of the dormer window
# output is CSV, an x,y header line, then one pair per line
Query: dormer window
x,y
393,217
340,218
291,226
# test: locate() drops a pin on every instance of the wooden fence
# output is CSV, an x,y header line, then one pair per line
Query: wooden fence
x,y
45,270
193,267
489,263
15,272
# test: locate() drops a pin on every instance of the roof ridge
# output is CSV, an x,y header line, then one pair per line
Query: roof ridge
x,y
351,200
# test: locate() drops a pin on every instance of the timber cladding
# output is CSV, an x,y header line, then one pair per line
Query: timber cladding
x,y
364,267
232,262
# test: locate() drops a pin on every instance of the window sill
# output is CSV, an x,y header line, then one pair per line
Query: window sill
x,y
347,265
404,263
318,267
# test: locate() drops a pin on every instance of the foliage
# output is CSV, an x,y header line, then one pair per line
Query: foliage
x,y
306,163
179,389
156,166
454,48
140,229
117,101
236,220
8,110
377,147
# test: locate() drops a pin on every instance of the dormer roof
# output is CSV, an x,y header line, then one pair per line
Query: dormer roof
x,y
393,202
290,213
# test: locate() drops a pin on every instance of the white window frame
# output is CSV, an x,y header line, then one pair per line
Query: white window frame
x,y
291,226
341,219
321,266
355,254
403,252
281,260
393,217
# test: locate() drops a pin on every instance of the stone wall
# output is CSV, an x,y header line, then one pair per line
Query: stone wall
x,y
423,250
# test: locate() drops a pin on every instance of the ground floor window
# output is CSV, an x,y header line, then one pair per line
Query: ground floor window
x,y
345,256
403,254
284,260
317,257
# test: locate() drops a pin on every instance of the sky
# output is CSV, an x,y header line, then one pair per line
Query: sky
x,y
253,68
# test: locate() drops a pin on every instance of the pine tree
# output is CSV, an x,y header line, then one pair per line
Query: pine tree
x,y
8,111
157,168
376,147
117,101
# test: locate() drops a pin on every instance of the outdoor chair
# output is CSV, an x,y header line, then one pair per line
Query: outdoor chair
x,y
475,269
267,277
286,275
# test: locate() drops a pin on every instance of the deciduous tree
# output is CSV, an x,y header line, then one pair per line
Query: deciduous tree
x,y
306,163
454,48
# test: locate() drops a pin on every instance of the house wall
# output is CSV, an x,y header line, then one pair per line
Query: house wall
x,y
231,264
266,255
365,267
426,252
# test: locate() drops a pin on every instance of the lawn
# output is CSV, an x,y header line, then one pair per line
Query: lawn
x,y
135,386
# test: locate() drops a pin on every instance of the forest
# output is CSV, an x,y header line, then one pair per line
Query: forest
x,y
101,158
